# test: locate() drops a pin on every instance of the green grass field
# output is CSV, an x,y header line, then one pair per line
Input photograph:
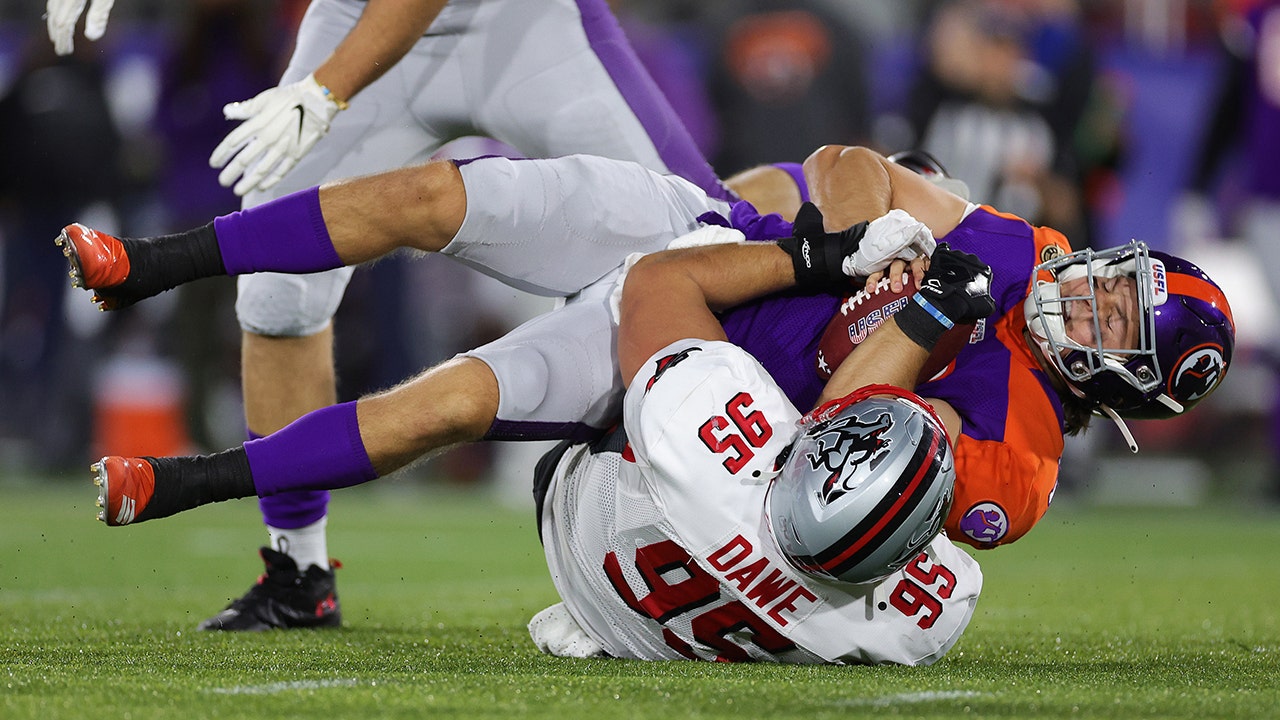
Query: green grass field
x,y
1118,614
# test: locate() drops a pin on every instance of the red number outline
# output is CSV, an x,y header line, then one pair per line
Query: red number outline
x,y
753,431
666,601
910,597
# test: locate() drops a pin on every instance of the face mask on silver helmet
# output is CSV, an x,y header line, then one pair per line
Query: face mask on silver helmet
x,y
865,486
1186,332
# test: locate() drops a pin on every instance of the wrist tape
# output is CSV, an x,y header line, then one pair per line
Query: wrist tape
x,y
818,262
923,322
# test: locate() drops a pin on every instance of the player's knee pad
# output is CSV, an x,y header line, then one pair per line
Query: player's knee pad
x,y
278,305
543,397
523,375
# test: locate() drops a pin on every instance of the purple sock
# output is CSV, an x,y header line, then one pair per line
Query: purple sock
x,y
286,235
321,450
292,510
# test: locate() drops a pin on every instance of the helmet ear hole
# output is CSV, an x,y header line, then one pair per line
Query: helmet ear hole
x,y
918,162
927,166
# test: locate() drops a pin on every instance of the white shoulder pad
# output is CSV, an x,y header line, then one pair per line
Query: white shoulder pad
x,y
701,406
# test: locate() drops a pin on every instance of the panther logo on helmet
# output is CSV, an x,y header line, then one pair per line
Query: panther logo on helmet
x,y
844,444
1198,373
985,522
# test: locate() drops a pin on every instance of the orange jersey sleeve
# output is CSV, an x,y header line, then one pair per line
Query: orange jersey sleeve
x,y
1003,487
1011,440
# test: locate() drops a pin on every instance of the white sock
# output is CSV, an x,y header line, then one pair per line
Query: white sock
x,y
307,545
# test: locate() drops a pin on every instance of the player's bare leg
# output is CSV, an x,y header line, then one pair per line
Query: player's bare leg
x,y
451,403
337,446
340,224
420,207
284,378
769,188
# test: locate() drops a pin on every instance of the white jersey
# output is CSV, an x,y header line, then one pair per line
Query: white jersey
x,y
662,551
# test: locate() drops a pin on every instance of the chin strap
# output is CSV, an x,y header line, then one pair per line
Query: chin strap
x,y
1124,429
1163,399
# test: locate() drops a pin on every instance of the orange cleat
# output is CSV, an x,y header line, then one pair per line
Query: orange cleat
x,y
125,487
98,262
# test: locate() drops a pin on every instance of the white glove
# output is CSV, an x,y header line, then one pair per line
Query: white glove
x,y
62,15
893,235
555,632
280,126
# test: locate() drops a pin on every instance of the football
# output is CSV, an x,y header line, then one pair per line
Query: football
x,y
863,312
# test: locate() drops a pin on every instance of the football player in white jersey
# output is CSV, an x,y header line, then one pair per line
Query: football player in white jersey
x,y
843,508
375,85
720,525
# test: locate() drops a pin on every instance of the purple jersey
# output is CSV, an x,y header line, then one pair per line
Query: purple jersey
x,y
976,385
1007,455
781,331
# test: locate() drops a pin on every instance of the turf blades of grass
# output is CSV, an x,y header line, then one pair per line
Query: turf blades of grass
x,y
1117,614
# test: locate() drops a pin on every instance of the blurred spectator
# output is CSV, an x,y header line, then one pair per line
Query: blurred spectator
x,y
1242,144
786,78
224,51
62,152
999,99
669,48
1240,153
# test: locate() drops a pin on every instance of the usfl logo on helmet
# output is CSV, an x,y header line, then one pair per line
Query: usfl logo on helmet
x,y
842,445
1159,283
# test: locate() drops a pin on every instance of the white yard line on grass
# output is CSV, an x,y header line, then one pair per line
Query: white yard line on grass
x,y
910,698
273,688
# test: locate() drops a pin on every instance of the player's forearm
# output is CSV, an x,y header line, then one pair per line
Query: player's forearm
x,y
385,32
887,357
731,274
673,295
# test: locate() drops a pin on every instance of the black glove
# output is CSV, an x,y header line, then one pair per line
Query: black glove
x,y
956,291
817,255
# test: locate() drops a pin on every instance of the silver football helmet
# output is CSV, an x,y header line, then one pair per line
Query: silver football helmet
x,y
864,487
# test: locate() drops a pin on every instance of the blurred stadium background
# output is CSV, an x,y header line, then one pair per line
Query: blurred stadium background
x,y
1108,119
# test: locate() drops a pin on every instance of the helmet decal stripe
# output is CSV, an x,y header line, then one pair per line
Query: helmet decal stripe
x,y
851,548
1184,284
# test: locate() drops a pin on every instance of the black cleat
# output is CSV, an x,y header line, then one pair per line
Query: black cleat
x,y
283,598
